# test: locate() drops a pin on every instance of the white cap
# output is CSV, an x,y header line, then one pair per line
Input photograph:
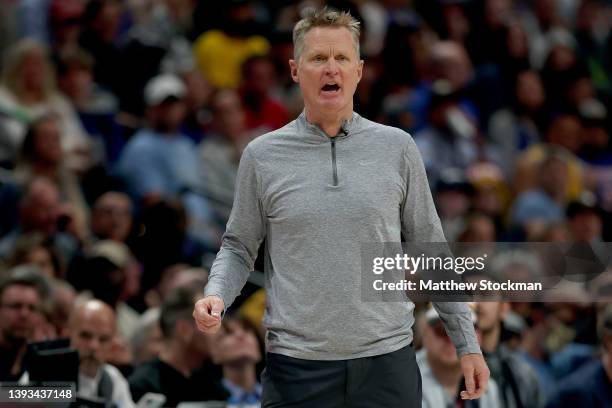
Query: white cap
x,y
163,87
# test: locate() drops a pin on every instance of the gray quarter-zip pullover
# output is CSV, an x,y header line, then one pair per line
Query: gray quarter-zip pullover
x,y
316,199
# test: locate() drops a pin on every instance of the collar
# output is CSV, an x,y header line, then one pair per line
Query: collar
x,y
238,394
347,128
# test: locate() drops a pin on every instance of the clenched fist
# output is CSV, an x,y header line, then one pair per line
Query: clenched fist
x,y
207,314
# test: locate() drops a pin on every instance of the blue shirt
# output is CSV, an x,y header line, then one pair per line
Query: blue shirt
x,y
239,395
589,386
535,205
156,163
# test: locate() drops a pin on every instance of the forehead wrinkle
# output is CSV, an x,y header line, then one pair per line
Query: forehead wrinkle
x,y
328,37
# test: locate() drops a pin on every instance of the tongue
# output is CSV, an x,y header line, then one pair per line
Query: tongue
x,y
330,88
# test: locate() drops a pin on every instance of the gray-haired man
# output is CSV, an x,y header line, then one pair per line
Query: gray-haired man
x,y
316,189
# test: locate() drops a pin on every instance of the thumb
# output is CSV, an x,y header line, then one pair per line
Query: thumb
x,y
216,308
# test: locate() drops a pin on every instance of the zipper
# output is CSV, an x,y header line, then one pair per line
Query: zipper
x,y
334,167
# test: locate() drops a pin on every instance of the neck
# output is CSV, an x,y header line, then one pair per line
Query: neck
x,y
490,339
330,122
448,376
174,356
241,375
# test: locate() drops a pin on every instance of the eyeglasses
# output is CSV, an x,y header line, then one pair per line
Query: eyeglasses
x,y
18,306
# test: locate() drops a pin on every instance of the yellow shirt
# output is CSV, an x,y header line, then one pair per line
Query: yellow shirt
x,y
220,56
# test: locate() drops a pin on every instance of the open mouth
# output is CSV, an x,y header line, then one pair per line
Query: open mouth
x,y
331,88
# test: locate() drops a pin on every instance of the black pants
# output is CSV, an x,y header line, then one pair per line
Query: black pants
x,y
386,381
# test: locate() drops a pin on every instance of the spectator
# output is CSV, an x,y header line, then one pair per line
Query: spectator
x,y
40,211
34,249
220,152
545,203
147,340
63,299
41,155
516,128
441,369
591,385
161,161
105,275
479,228
584,219
179,275
64,23
97,107
219,53
236,348
452,199
92,329
28,91
23,293
596,147
101,21
112,216
449,141
562,136
518,384
263,113
177,372
199,93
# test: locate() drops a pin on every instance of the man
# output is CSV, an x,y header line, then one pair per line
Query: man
x,y
591,384
336,180
220,152
161,161
518,383
441,370
92,329
40,210
237,350
112,216
22,293
180,372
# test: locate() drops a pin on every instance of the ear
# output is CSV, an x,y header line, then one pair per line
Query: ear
x,y
294,71
359,70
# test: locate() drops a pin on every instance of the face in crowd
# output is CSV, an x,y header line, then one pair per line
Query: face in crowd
x,y
92,328
20,307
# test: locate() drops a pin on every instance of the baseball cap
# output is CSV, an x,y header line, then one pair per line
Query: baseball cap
x,y
162,87
115,252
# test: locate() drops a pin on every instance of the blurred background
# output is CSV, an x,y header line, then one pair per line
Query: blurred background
x,y
122,123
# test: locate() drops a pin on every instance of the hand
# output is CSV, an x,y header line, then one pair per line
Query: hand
x,y
476,374
207,314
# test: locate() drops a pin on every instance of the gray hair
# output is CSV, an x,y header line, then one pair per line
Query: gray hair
x,y
324,18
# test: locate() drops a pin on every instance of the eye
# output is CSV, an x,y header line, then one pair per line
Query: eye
x,y
318,58
341,58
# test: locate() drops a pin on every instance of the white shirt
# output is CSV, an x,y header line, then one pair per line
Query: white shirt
x,y
88,387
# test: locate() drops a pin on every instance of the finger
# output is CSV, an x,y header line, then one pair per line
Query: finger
x,y
470,382
216,309
481,386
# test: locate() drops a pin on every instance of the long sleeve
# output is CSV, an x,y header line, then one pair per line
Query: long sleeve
x,y
244,233
420,223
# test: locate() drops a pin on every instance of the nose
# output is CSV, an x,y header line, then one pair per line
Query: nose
x,y
331,67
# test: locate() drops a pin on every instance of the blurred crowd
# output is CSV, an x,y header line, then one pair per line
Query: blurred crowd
x,y
122,123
